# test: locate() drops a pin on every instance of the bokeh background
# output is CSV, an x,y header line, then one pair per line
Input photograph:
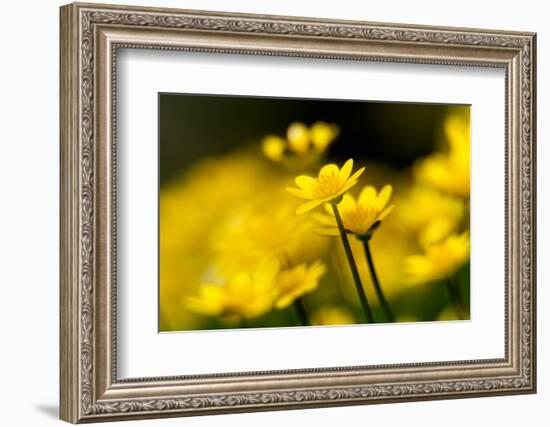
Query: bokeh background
x,y
193,127
214,173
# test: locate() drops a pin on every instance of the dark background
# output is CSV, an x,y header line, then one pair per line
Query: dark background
x,y
194,126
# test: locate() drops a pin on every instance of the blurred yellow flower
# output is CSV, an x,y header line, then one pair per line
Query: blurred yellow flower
x,y
331,183
440,260
322,134
267,227
295,282
186,234
429,214
306,144
273,147
358,216
449,172
436,230
332,316
245,295
298,137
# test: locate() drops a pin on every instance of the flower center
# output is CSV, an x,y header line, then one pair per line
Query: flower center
x,y
327,185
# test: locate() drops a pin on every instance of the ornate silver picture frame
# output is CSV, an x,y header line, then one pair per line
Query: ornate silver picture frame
x,y
91,34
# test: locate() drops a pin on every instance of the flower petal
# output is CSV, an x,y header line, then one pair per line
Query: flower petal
x,y
384,196
273,147
317,269
266,273
356,175
322,134
300,193
345,172
284,301
330,169
367,197
328,209
326,220
347,203
417,270
349,183
298,137
307,206
305,182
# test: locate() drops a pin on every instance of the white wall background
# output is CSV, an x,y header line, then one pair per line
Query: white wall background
x,y
29,171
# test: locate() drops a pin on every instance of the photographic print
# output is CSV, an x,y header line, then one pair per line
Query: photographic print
x,y
302,212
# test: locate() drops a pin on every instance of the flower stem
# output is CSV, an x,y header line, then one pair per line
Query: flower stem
x,y
353,266
454,293
376,283
302,313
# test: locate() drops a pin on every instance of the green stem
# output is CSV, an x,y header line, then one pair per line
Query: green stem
x,y
454,294
376,283
302,313
353,266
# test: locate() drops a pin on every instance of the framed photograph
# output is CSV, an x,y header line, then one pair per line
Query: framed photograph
x,y
265,212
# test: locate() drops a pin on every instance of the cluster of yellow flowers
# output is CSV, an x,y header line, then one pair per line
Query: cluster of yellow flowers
x,y
439,207
358,216
245,247
302,147
237,245
347,216
449,171
249,294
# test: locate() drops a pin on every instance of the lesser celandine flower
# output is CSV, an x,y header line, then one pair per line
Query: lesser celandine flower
x,y
273,147
191,208
331,183
362,218
450,171
267,227
436,230
439,261
245,295
332,316
297,135
293,283
302,145
359,215
329,186
322,134
429,214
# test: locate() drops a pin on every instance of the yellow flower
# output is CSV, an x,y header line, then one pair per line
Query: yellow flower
x,y
273,147
436,230
322,134
332,316
266,226
440,260
302,146
449,172
429,214
297,281
217,187
358,216
331,183
298,137
245,295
